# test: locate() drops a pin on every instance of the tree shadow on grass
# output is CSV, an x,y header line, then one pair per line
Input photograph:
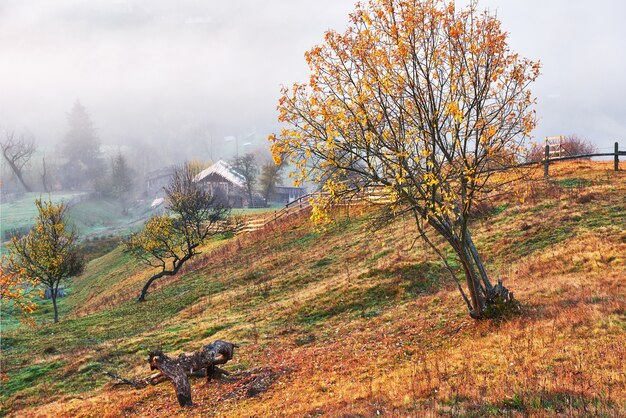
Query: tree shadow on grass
x,y
388,286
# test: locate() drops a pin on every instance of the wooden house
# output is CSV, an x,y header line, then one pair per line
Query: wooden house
x,y
224,182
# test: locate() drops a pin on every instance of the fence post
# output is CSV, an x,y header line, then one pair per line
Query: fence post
x,y
546,161
616,158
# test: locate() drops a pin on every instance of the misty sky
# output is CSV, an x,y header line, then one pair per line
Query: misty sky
x,y
156,70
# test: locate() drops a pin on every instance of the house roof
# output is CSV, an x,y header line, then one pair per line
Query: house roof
x,y
224,170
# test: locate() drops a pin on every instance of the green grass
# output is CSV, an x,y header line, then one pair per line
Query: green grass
x,y
499,209
21,213
254,211
28,375
146,321
543,238
574,182
368,295
323,262
135,328
104,216
90,217
358,301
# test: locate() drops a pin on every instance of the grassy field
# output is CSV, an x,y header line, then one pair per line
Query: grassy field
x,y
20,213
349,322
92,217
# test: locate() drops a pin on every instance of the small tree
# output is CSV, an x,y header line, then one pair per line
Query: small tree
x,y
570,145
48,254
168,241
121,180
575,145
246,166
418,100
271,176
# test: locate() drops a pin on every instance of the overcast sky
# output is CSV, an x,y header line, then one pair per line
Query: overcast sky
x,y
156,70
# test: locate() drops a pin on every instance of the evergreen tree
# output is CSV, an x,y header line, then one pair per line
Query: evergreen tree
x,y
81,147
121,180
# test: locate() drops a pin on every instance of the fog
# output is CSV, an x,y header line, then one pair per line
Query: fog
x,y
183,75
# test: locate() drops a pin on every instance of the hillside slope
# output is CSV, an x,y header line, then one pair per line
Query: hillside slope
x,y
346,322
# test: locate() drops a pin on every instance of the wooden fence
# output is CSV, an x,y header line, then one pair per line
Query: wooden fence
x,y
547,160
377,194
292,208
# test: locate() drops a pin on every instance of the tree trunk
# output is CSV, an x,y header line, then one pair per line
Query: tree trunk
x,y
44,176
177,266
479,263
18,174
144,290
483,294
250,203
53,292
472,283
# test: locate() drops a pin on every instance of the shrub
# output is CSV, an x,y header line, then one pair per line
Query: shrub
x,y
572,145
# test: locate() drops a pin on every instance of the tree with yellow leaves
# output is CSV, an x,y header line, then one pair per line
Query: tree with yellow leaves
x,y
168,241
48,254
421,101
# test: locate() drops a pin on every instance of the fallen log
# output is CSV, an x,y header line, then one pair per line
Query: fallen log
x,y
200,363
177,369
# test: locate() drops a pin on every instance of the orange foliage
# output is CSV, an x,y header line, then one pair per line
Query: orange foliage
x,y
16,293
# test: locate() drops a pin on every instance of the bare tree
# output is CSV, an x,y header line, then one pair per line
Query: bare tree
x,y
44,176
570,145
17,153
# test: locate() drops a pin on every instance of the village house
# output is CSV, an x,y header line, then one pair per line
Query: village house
x,y
224,182
286,194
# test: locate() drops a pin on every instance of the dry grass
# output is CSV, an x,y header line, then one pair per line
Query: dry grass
x,y
356,324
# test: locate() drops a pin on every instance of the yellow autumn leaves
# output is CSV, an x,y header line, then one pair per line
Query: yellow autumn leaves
x,y
416,97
